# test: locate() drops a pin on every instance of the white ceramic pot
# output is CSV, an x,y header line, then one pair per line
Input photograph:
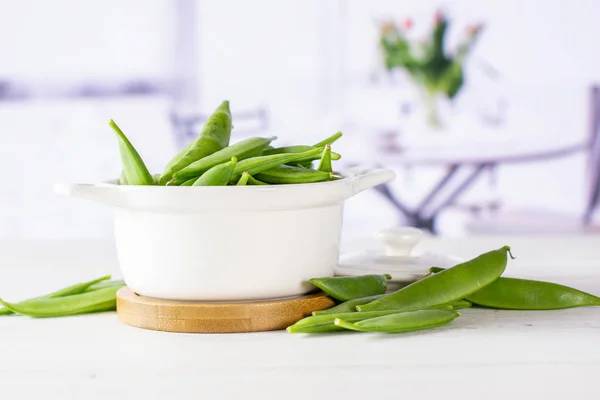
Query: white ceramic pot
x,y
228,243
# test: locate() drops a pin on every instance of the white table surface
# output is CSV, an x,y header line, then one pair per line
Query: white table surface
x,y
482,355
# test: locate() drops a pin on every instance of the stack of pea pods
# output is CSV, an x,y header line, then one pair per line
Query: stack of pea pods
x,y
210,160
432,301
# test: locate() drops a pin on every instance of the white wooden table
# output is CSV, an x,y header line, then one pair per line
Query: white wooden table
x,y
483,355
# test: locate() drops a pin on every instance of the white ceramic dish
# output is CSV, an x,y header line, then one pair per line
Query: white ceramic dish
x,y
397,258
228,243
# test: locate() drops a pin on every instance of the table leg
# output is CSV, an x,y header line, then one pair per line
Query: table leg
x,y
417,217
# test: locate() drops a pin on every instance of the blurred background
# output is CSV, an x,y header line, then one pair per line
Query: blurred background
x,y
488,110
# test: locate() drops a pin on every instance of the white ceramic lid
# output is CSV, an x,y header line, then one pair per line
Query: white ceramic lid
x,y
396,258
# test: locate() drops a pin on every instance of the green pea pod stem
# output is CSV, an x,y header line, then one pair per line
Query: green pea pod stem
x,y
242,150
189,182
287,174
215,136
93,301
324,323
299,149
403,322
447,286
352,287
256,165
348,306
68,291
134,169
244,179
253,181
123,179
329,140
325,164
219,175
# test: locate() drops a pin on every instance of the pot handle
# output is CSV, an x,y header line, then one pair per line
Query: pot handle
x,y
98,193
367,178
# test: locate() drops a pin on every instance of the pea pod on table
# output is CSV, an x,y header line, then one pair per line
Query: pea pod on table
x,y
67,291
348,306
402,322
352,287
324,322
287,174
453,284
94,301
215,136
525,294
134,171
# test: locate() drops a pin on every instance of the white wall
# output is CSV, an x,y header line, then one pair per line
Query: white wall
x,y
307,61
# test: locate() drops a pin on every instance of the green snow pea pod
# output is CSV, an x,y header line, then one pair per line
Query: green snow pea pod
x,y
68,291
215,135
123,179
447,286
352,287
97,300
135,171
325,164
287,174
255,165
189,182
219,175
299,149
348,306
241,150
324,323
525,294
178,157
112,283
402,322
253,181
329,140
244,179
181,181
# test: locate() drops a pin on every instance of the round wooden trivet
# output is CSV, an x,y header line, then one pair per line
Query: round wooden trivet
x,y
216,317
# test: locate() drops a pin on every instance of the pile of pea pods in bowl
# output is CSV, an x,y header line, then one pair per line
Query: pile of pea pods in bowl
x,y
229,221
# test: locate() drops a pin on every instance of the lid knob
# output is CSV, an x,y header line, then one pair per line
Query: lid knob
x,y
399,242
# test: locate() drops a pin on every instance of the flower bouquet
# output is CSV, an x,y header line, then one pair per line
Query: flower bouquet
x,y
439,73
